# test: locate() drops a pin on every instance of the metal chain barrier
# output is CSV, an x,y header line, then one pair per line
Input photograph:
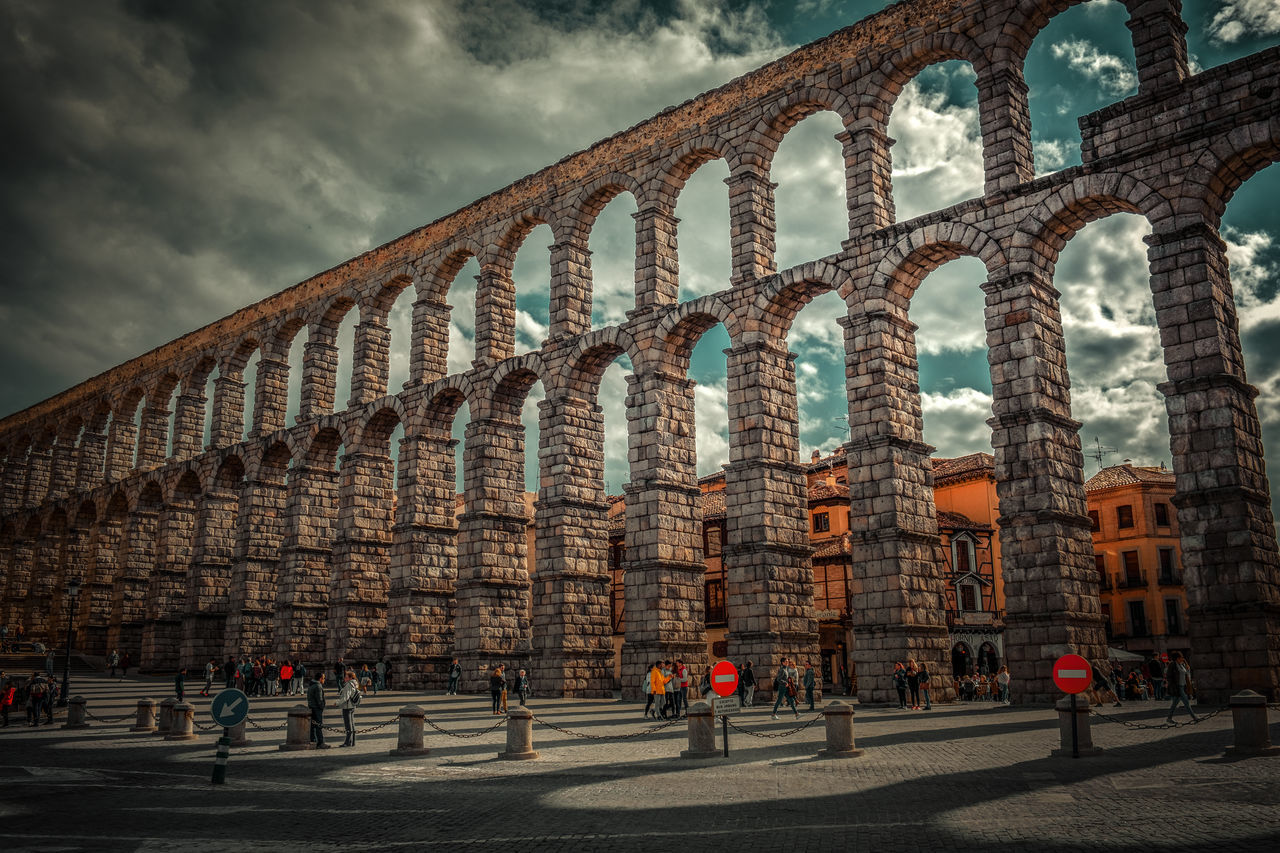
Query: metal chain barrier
x,y
773,735
208,728
259,728
342,731
585,736
110,721
447,733
1129,724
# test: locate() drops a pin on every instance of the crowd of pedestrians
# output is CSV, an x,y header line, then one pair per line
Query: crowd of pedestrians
x,y
37,694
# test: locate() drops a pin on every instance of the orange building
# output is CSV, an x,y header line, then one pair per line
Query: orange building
x,y
1136,550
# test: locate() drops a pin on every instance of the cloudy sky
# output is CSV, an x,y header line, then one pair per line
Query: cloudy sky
x,y
167,163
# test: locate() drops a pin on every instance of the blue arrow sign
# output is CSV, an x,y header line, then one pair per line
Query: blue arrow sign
x,y
229,708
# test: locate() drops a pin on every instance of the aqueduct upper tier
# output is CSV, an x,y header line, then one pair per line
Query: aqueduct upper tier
x,y
281,543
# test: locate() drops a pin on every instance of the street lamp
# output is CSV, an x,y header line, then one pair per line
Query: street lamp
x,y
73,590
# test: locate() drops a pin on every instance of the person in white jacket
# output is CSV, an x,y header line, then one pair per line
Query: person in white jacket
x,y
348,699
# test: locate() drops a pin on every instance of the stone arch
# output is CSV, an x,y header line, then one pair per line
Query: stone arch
x,y
184,484
797,105
270,460
663,189
441,403
510,385
586,365
919,253
445,268
680,330
784,295
881,88
512,234
1208,186
595,196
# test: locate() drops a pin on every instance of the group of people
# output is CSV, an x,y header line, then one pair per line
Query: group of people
x,y
37,693
498,685
666,687
10,639
788,681
994,688
1157,680
265,676
912,679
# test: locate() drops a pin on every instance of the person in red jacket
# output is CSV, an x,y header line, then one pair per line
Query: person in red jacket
x,y
286,677
8,692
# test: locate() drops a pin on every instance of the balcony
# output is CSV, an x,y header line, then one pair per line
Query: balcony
x,y
1170,577
1104,582
975,619
1135,581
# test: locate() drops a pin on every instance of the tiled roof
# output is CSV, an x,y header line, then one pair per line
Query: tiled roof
x,y
963,468
958,521
713,504
837,546
826,491
1128,475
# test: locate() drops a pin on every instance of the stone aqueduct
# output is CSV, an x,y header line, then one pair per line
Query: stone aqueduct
x,y
261,545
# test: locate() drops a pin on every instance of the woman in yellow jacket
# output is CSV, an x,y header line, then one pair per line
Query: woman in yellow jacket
x,y
658,688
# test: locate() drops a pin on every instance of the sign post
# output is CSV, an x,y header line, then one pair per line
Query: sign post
x,y
1072,674
724,681
229,708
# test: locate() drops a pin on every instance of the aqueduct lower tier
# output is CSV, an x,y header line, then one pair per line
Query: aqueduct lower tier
x,y
189,551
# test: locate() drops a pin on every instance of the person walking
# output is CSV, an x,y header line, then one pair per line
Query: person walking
x,y
680,679
315,703
900,684
348,699
922,673
8,695
1178,680
913,684
180,684
1002,680
1157,667
125,664
497,686
49,665
379,676
784,687
209,669
229,672
747,685
286,678
299,677
113,661
1102,684
646,684
810,681
522,686
658,690
455,677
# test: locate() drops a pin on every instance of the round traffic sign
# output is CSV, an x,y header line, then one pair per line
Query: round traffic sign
x,y
724,678
1072,674
229,708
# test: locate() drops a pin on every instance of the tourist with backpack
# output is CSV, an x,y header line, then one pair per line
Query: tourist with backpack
x,y
348,700
784,687
455,678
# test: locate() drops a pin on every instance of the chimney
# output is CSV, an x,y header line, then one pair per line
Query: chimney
x,y
817,454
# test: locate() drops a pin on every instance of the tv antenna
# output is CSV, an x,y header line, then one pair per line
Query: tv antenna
x,y
1099,452
844,427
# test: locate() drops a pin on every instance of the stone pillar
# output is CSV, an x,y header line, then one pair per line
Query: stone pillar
x,y
146,717
39,604
39,465
868,175
839,722
182,725
657,262
228,411
298,731
62,474
1229,552
319,376
572,631
271,394
255,570
495,315
570,290
94,619
769,598
166,592
1249,723
72,563
153,443
188,425
897,594
424,560
302,603
164,723
1006,128
239,734
429,357
75,714
93,451
129,587
519,736
752,225
702,732
664,569
1066,706
1050,580
492,622
15,479
121,445
409,741
205,618
372,354
18,581
361,559
1159,44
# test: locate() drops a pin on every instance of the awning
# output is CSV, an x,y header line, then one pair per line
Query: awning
x,y
1123,655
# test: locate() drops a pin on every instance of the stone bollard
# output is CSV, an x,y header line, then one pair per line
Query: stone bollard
x,y
410,740
164,723
702,732
298,733
519,736
839,717
182,725
1249,718
75,714
240,735
1084,739
146,716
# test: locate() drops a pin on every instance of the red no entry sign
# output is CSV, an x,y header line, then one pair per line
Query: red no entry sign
x,y
1072,674
724,678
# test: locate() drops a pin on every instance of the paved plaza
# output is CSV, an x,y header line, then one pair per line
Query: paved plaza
x,y
962,777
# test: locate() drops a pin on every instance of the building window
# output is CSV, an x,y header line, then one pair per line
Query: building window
x,y
1162,515
1124,516
821,522
968,597
711,540
1132,569
1094,521
1100,563
1172,616
1137,619
715,601
830,592
962,556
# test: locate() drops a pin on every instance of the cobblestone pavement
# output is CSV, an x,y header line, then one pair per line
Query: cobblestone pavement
x,y
963,777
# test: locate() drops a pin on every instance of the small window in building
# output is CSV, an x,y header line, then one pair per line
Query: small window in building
x,y
711,540
1162,515
821,522
1124,516
1132,569
1094,521
1137,619
1166,560
715,601
968,597
962,555
1172,616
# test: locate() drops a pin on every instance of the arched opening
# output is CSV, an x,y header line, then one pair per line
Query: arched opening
x,y
531,274
344,339
809,200
705,253
937,155
400,324
1082,61
612,243
962,660
249,376
295,355
210,396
